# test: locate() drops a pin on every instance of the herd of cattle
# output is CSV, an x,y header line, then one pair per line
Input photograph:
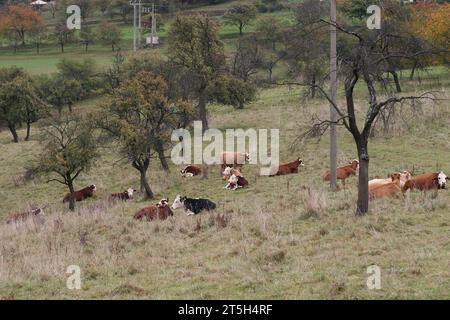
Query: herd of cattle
x,y
396,183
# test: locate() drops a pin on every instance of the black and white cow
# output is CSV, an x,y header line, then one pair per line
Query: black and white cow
x,y
193,206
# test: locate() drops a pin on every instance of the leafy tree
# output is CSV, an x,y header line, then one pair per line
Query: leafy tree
x,y
195,47
110,34
83,71
20,19
247,58
38,35
240,15
141,118
87,36
62,34
231,91
69,149
19,101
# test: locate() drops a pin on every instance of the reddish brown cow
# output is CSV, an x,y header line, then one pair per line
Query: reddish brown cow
x,y
191,171
81,194
288,168
437,180
19,217
387,189
160,211
343,172
123,196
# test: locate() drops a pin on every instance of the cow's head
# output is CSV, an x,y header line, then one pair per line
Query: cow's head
x,y
164,202
93,187
227,172
178,202
442,180
37,212
247,157
395,176
354,163
130,192
300,162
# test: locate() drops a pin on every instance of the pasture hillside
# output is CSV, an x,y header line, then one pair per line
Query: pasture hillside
x,y
283,237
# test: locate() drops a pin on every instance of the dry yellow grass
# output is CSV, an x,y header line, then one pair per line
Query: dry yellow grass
x,y
282,238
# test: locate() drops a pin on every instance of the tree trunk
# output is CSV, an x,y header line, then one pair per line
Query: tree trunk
x,y
162,158
71,198
241,28
313,87
397,81
62,47
13,130
363,185
37,48
27,137
70,107
86,47
145,187
413,71
202,111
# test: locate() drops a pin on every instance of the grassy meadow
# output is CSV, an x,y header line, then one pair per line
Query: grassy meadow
x,y
285,237
282,238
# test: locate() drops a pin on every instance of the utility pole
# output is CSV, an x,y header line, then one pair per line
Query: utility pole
x,y
140,25
153,26
134,26
333,85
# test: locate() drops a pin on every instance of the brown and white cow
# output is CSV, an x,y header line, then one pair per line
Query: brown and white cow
x,y
344,172
20,217
160,211
236,182
429,181
123,196
191,171
386,190
228,172
234,159
81,194
291,167
404,176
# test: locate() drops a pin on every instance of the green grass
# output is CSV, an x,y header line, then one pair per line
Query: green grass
x,y
279,240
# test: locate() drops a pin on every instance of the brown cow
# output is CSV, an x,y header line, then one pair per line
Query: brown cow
x,y
81,194
404,176
236,182
191,171
234,159
386,190
123,196
20,217
288,168
344,172
160,211
437,180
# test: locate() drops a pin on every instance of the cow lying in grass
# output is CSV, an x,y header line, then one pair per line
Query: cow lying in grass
x,y
123,196
193,206
228,172
288,168
404,176
160,211
81,194
236,182
386,190
191,171
20,217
